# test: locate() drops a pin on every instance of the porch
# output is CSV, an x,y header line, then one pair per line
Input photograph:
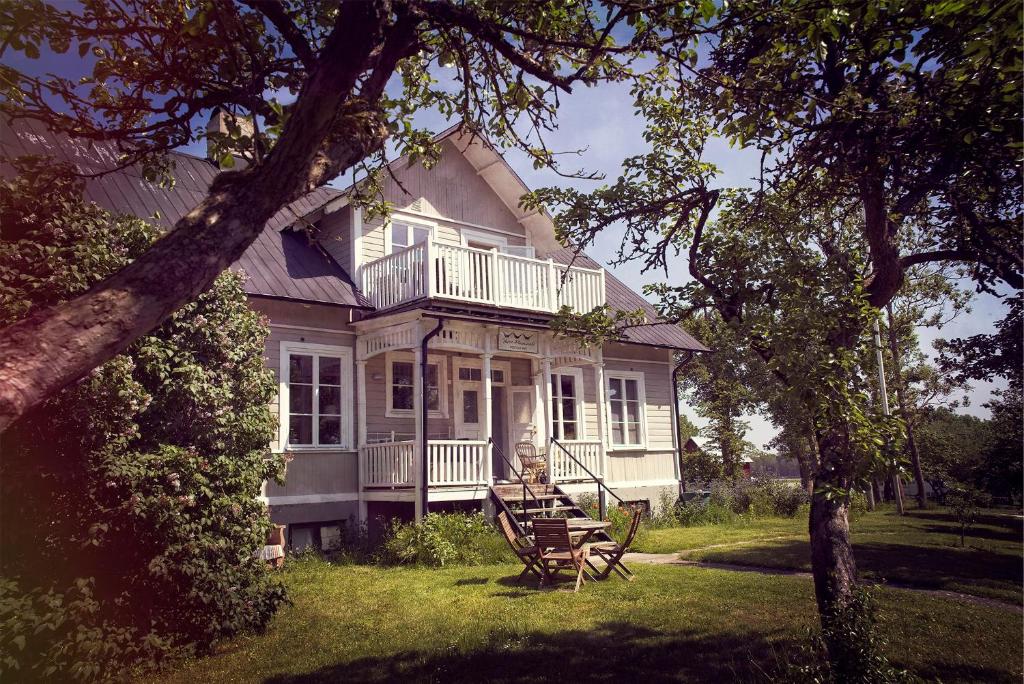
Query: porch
x,y
459,396
436,270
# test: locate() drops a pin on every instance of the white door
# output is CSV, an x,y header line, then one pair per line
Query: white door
x,y
469,410
521,426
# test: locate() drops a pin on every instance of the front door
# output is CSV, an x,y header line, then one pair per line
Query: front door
x,y
469,412
522,427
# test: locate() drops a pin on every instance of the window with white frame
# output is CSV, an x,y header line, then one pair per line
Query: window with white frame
x,y
405,233
400,396
566,405
626,409
315,382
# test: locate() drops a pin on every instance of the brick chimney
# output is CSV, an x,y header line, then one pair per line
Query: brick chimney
x,y
219,124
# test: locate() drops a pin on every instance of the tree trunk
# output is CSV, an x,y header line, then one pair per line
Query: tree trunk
x,y
901,399
832,563
52,348
876,491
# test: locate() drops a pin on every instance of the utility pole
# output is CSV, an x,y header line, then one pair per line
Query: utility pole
x,y
897,489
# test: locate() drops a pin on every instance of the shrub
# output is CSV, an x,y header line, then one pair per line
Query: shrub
x,y
129,500
445,539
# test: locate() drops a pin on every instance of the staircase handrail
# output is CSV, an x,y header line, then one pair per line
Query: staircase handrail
x,y
595,478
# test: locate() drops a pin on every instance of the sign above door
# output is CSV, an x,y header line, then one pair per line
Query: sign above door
x,y
512,340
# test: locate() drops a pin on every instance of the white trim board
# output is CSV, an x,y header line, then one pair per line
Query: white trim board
x,y
288,326
311,499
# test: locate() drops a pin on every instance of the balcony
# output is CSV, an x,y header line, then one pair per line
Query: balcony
x,y
431,270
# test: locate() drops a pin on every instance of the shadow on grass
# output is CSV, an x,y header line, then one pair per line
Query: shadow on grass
x,y
1007,520
613,651
916,566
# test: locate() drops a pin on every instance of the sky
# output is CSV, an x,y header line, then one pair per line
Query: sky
x,y
601,122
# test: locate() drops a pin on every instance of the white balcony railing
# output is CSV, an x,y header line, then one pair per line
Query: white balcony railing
x,y
449,462
564,469
480,276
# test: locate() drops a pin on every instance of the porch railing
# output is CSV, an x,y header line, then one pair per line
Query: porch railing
x,y
480,276
387,464
449,462
587,456
456,462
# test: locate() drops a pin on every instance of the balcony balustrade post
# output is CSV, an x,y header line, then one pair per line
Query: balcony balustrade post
x,y
552,286
495,288
429,283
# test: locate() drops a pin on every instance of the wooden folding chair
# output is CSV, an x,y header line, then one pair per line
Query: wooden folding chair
x,y
611,552
551,536
534,465
525,551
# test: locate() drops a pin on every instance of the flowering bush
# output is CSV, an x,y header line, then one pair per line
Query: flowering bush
x,y
129,500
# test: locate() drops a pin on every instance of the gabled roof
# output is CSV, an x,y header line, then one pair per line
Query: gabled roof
x,y
620,296
280,263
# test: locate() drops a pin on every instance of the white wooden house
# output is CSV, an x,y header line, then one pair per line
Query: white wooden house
x,y
414,353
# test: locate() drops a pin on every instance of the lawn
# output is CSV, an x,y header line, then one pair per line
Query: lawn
x,y
674,623
921,549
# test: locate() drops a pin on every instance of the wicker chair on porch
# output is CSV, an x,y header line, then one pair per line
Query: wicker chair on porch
x,y
535,466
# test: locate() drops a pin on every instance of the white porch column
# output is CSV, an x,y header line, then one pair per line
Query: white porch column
x,y
360,404
546,394
421,430
488,469
602,416
488,410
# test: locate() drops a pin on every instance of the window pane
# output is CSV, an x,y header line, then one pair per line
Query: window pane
x,y
568,386
401,373
464,374
631,390
431,376
420,235
433,399
633,411
399,235
614,388
617,416
497,376
330,400
470,407
330,370
300,398
568,409
330,430
300,368
555,432
569,427
402,398
300,429
616,433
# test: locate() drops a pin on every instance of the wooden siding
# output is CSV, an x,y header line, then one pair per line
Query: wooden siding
x,y
318,472
335,235
453,189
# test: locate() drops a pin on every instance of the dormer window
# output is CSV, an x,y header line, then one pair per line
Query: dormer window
x,y
406,234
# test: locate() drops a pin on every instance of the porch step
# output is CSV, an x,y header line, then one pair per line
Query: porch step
x,y
518,500
552,509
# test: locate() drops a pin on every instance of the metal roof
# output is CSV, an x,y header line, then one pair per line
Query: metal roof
x,y
620,297
280,263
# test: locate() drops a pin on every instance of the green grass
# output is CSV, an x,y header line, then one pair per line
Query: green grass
x,y
371,624
921,549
